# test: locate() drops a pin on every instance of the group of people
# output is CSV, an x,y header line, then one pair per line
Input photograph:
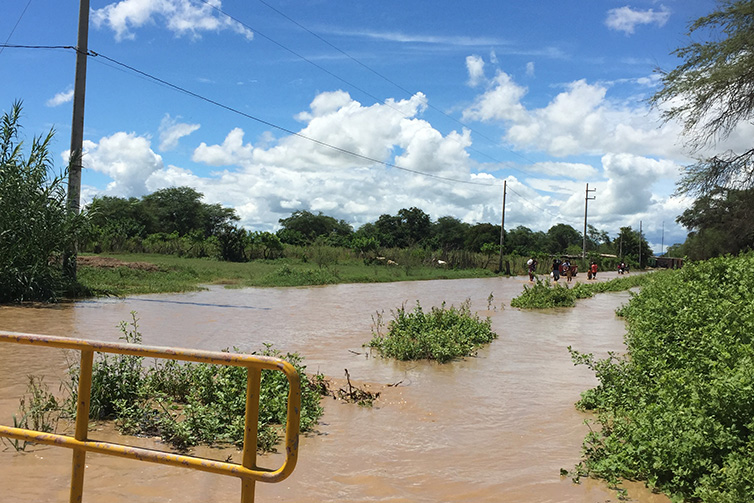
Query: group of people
x,y
562,268
622,268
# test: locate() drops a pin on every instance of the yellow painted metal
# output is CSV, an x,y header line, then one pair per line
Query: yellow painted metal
x,y
82,425
247,471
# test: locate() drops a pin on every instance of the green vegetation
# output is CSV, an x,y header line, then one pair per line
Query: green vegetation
x,y
544,295
442,334
676,410
35,226
175,274
183,403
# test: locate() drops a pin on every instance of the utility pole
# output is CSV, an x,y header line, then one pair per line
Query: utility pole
x,y
586,202
502,228
640,244
662,245
77,131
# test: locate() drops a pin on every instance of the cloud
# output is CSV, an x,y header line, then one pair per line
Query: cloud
x,y
232,151
580,120
171,131
626,19
126,158
61,98
475,67
179,16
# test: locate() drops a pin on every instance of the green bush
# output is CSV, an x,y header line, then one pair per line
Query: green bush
x,y
187,404
678,410
442,334
544,296
35,226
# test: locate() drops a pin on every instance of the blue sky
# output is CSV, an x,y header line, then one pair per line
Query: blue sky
x,y
441,100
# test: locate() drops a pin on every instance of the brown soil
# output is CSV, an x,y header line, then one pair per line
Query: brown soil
x,y
112,263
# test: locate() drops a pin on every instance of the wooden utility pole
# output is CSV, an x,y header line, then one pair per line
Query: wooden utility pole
x,y
586,202
502,227
77,131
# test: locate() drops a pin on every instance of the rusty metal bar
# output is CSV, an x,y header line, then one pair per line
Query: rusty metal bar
x,y
248,472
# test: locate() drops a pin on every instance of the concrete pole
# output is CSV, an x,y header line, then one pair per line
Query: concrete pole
x,y
586,203
502,227
77,130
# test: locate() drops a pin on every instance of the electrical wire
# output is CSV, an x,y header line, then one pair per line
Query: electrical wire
x,y
228,108
281,128
354,86
15,25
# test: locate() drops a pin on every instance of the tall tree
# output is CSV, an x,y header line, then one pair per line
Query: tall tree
x,y
711,92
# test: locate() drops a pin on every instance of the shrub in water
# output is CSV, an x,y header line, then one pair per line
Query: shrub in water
x,y
442,334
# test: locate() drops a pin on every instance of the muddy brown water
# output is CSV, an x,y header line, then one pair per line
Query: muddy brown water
x,y
494,428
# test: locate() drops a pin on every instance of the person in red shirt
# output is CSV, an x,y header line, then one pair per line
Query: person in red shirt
x,y
594,270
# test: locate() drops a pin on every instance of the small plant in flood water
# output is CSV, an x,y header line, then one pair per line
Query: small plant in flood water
x,y
38,410
188,404
543,295
442,334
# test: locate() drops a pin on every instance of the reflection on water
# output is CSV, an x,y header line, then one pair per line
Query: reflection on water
x,y
497,427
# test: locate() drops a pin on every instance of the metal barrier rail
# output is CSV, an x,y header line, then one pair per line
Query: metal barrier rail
x,y
247,471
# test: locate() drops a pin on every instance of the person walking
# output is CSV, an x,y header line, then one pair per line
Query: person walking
x,y
568,270
532,268
594,270
556,270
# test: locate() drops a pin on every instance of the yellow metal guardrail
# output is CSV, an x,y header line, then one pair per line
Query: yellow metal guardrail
x,y
247,471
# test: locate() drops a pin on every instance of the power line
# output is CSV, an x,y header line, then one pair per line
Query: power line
x,y
178,88
15,25
320,67
281,128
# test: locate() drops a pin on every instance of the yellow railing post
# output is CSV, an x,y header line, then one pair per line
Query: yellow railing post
x,y
82,425
249,459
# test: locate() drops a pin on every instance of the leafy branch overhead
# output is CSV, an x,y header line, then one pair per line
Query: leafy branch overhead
x,y
712,92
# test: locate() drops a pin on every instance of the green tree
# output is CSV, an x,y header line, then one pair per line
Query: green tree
x,y
449,233
304,227
417,225
720,222
524,241
35,226
561,236
175,209
711,92
479,234
631,245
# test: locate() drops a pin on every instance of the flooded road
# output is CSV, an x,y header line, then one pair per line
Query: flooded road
x,y
494,428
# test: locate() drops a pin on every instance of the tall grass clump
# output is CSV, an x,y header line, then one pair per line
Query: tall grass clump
x,y
187,404
443,334
35,225
677,411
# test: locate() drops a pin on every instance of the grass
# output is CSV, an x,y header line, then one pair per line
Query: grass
x,y
177,274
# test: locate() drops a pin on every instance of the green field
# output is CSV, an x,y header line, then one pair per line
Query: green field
x,y
175,274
